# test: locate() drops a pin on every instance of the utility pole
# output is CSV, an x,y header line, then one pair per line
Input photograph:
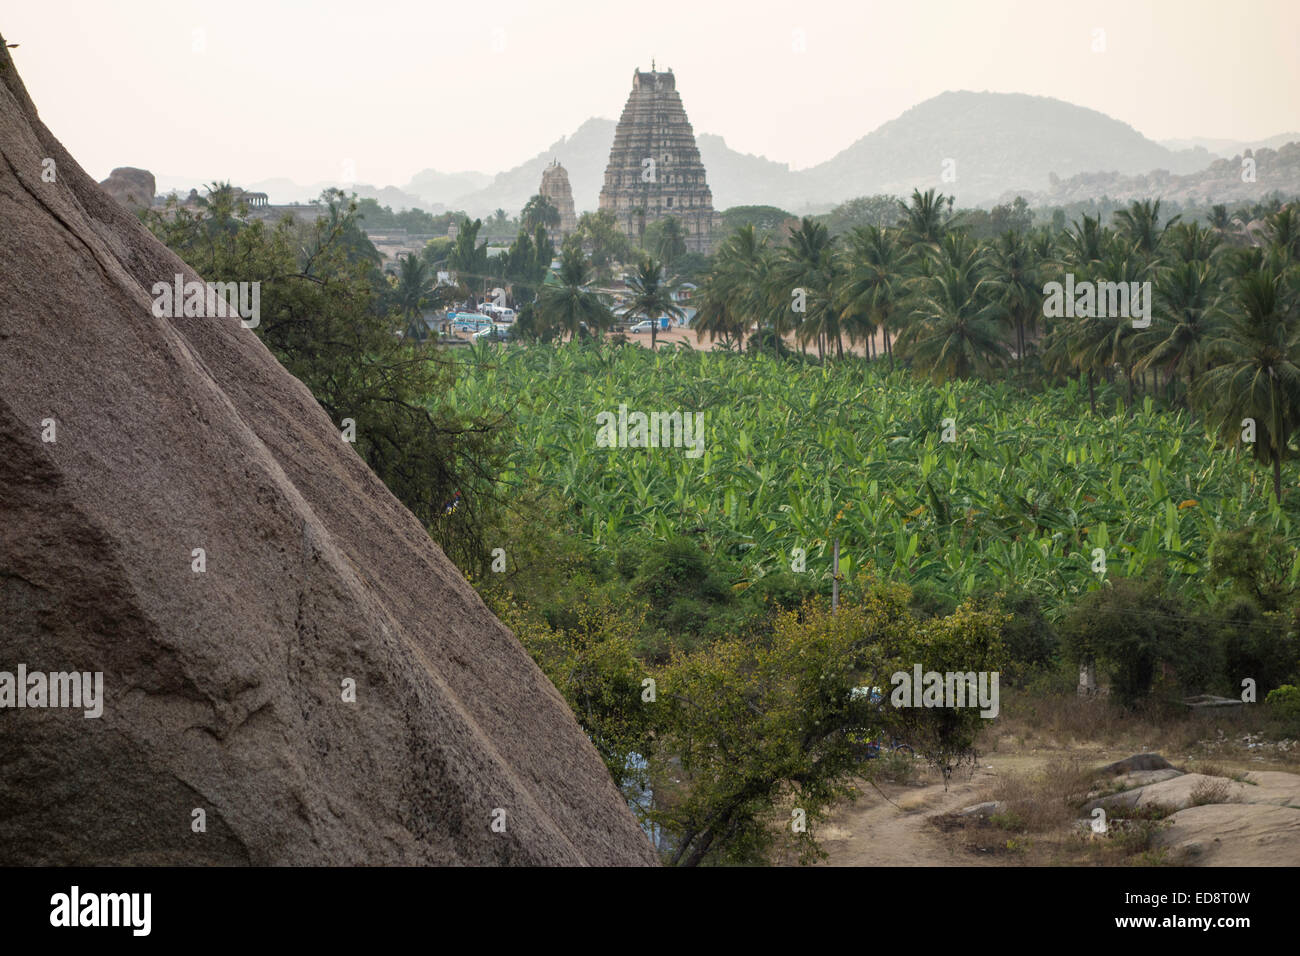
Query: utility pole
x,y
835,577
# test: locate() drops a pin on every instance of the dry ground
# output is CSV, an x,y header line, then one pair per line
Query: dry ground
x,y
1236,802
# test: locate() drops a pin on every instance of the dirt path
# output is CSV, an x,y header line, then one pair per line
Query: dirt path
x,y
873,832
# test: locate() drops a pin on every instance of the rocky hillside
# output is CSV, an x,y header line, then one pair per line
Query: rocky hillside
x,y
326,688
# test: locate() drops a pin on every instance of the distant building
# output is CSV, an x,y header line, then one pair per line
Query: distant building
x,y
555,187
654,166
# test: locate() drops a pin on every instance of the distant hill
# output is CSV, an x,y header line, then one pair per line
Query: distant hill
x,y
435,187
1276,171
583,155
1000,142
1228,148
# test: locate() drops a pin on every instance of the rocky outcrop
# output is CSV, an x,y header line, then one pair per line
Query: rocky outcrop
x,y
1232,835
317,684
1136,763
133,188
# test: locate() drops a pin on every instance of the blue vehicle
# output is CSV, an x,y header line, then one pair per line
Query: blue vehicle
x,y
469,321
868,744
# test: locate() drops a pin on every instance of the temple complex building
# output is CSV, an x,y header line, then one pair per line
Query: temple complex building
x,y
654,166
555,187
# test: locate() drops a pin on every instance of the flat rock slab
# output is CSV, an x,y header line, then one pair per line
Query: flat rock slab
x,y
1234,835
1273,786
1174,793
1144,778
1263,787
1137,762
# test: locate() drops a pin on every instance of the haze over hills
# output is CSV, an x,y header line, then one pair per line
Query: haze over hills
x,y
1228,148
997,142
998,145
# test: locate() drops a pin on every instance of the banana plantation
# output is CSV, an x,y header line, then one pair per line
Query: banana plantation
x,y
965,485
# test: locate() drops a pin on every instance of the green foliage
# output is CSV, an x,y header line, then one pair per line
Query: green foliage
x,y
376,217
1256,565
687,591
566,304
592,662
603,240
650,297
862,212
760,729
665,239
764,219
539,211
1286,701
1135,629
1014,217
1030,639
1022,498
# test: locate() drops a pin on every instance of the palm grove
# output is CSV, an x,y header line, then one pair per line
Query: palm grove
x,y
1224,340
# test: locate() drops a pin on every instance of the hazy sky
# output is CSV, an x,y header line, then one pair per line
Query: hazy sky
x,y
245,90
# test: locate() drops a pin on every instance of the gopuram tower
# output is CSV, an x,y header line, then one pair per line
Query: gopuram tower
x,y
555,187
654,166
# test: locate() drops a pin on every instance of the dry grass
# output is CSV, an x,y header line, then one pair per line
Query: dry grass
x,y
1040,822
1033,719
1043,801
1216,790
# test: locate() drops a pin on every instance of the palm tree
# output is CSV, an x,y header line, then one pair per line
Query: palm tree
x,y
1257,376
1283,231
1220,220
1139,224
414,286
1190,243
1017,287
1183,322
568,305
1086,242
1100,343
650,297
957,315
871,292
732,293
468,258
807,264
672,242
539,211
925,221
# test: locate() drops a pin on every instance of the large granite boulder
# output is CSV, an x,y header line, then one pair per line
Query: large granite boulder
x,y
133,188
226,691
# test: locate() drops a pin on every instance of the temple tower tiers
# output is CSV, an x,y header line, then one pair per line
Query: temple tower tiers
x,y
654,166
555,187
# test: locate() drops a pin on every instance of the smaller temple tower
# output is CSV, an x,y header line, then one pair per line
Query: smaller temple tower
x,y
555,187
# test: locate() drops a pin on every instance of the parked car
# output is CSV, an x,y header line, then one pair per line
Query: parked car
x,y
493,333
645,326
